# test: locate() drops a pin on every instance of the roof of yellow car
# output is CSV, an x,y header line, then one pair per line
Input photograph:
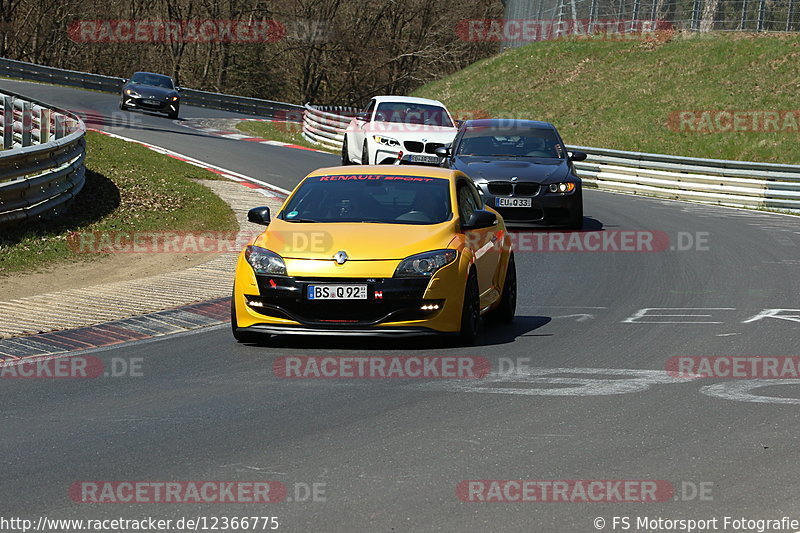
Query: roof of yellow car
x,y
388,170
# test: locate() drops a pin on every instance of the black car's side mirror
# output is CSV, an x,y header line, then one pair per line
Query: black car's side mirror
x,y
259,215
124,81
577,155
179,89
479,219
362,116
442,151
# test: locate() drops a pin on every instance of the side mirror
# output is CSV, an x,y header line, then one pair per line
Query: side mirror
x,y
479,219
124,81
259,215
576,155
179,89
363,116
442,151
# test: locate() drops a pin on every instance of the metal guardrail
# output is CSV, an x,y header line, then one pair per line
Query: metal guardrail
x,y
41,162
325,125
98,82
714,181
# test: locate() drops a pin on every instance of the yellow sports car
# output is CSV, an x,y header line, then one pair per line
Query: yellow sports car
x,y
375,250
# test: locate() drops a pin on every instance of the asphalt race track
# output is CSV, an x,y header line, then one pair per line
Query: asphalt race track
x,y
389,454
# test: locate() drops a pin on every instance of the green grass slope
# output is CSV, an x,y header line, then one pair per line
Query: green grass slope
x,y
628,95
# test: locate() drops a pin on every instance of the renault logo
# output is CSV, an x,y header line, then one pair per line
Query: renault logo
x,y
340,257
514,178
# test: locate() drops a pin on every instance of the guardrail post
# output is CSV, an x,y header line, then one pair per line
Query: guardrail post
x,y
743,20
8,122
27,123
696,15
61,129
762,13
44,126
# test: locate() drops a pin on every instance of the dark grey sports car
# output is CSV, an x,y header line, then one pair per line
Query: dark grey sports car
x,y
151,92
522,170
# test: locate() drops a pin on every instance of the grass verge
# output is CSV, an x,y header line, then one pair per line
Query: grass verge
x,y
277,131
627,95
129,188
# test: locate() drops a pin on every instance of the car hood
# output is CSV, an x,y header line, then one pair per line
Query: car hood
x,y
361,241
149,90
493,168
413,132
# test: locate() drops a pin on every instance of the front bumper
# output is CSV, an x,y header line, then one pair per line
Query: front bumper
x,y
394,306
547,209
152,104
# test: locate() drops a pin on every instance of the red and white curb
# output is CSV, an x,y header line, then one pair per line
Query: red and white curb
x,y
237,136
267,189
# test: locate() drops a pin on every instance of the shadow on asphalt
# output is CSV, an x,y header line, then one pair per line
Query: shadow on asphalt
x,y
491,334
589,224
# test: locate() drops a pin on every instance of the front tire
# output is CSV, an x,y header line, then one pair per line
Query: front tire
x,y
174,114
507,307
365,154
122,105
345,153
247,337
470,311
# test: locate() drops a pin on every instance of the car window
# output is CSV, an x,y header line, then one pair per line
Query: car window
x,y
153,80
370,107
511,142
467,203
409,113
370,198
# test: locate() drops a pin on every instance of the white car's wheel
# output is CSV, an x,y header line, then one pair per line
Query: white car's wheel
x,y
345,152
365,154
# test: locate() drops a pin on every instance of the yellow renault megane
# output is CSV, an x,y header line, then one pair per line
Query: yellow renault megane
x,y
375,250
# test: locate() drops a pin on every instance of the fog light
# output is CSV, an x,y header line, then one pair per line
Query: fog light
x,y
430,307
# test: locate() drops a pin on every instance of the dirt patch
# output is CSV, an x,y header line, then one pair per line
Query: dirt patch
x,y
117,267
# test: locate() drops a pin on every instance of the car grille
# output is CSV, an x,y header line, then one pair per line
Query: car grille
x,y
417,146
430,148
507,188
526,189
500,188
520,215
402,300
414,146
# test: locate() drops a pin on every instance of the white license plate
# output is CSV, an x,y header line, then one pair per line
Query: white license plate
x,y
513,202
336,292
423,158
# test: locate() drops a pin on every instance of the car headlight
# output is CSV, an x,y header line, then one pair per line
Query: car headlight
x,y
131,92
174,98
561,187
424,264
386,141
264,261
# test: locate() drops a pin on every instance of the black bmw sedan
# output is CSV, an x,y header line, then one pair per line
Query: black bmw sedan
x,y
522,170
151,92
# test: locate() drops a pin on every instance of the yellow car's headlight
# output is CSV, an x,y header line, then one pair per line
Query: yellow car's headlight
x,y
264,261
425,264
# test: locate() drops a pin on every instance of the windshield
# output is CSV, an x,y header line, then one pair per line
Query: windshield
x,y
370,198
154,80
511,142
406,113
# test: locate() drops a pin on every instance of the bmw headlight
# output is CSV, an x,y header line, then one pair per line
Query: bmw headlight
x,y
264,261
424,264
386,141
131,92
174,98
561,187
